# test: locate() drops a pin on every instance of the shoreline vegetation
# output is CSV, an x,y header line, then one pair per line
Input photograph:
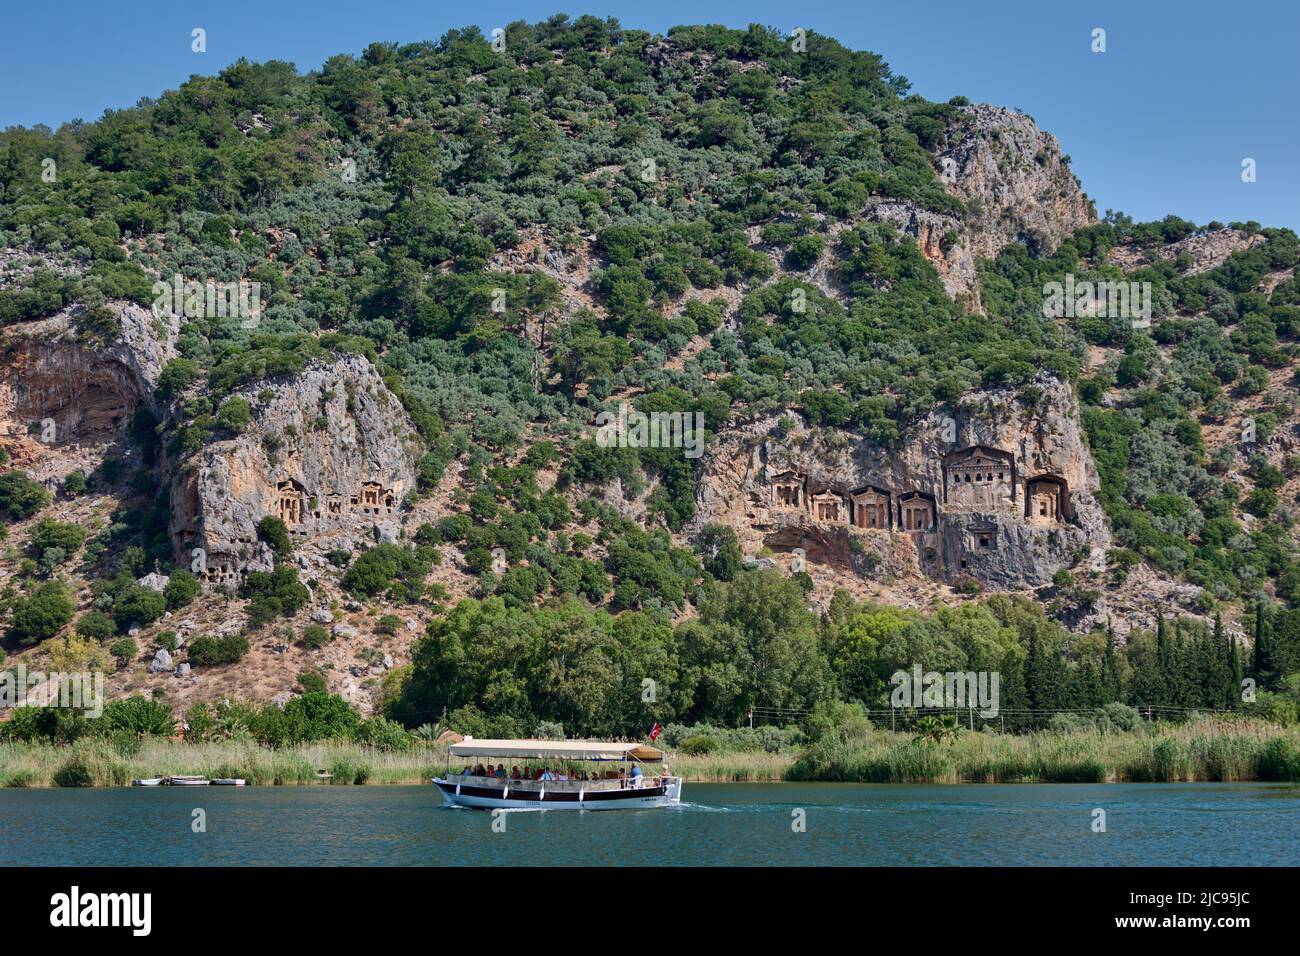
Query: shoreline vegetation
x,y
1229,750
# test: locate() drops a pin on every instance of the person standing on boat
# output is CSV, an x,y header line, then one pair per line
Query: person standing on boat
x,y
636,776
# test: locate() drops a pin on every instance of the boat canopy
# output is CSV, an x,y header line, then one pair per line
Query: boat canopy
x,y
555,749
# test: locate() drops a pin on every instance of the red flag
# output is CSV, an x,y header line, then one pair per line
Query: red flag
x,y
654,732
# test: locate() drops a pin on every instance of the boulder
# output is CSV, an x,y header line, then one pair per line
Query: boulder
x,y
182,670
161,663
154,581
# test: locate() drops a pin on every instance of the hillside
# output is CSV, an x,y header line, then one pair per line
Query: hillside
x,y
301,377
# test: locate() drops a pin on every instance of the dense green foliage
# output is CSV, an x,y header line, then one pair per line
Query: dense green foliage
x,y
494,670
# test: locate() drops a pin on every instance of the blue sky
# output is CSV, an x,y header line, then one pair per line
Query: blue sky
x,y
1158,123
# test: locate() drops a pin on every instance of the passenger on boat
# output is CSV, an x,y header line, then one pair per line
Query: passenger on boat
x,y
479,771
546,774
636,776
514,773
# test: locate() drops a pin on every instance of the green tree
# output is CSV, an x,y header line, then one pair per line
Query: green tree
x,y
41,614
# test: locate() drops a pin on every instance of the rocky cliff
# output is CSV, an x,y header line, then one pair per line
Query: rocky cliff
x,y
66,395
1016,188
330,453
1000,487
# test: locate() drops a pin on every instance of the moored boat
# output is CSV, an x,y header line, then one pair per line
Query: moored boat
x,y
227,781
188,781
547,782
149,782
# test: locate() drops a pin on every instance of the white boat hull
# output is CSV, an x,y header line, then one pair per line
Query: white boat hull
x,y
457,793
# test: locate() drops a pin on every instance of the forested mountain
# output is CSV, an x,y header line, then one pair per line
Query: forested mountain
x,y
382,470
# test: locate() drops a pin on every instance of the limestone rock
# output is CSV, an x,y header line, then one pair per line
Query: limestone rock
x,y
83,389
161,663
182,670
329,452
1206,251
1001,487
1015,186
322,615
154,581
346,631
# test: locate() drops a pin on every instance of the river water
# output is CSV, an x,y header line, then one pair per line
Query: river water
x,y
717,825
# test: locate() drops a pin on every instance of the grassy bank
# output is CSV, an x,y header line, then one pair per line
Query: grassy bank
x,y
97,763
1209,750
1206,750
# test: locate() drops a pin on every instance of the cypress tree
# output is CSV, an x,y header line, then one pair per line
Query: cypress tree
x,y
1086,691
1261,667
1234,691
1166,673
1011,692
1110,680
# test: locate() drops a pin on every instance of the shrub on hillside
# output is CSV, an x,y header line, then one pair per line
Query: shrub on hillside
x,y
138,605
217,651
20,497
182,588
41,614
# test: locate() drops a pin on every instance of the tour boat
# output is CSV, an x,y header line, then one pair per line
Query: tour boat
x,y
628,787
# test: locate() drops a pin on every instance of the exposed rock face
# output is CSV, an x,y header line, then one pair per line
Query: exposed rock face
x,y
991,488
329,453
1016,188
1207,251
61,390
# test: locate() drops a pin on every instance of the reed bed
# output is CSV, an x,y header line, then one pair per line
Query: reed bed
x,y
1209,750
98,763
1212,750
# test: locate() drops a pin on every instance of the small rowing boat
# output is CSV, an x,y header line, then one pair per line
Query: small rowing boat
x,y
149,782
228,782
190,781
